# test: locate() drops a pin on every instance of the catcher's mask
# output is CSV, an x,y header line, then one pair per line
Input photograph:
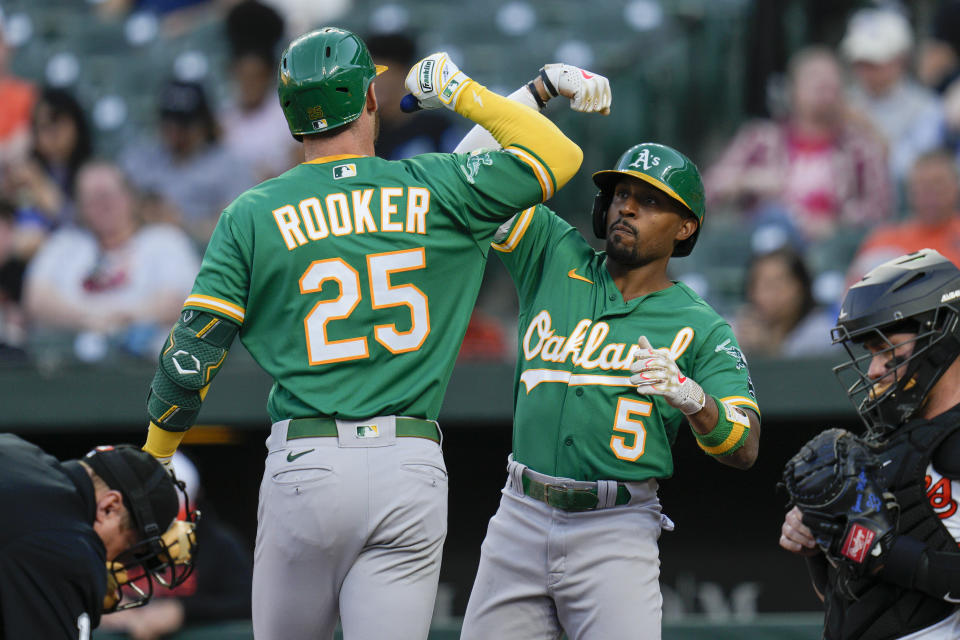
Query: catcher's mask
x,y
918,293
164,549
323,80
666,169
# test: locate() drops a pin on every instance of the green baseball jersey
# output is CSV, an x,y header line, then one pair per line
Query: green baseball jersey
x,y
576,415
353,278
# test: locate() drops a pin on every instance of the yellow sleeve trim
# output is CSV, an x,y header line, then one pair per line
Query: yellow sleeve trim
x,y
513,124
162,443
222,307
540,171
742,401
516,234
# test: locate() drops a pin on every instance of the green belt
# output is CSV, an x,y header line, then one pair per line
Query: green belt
x,y
568,498
327,427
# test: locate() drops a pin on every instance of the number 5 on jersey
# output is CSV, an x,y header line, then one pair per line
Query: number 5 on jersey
x,y
626,423
383,295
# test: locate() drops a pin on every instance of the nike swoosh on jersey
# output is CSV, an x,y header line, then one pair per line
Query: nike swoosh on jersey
x,y
573,274
291,456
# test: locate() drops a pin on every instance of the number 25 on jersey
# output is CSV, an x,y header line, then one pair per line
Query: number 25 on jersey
x,y
383,295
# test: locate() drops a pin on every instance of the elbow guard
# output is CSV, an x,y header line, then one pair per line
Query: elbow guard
x,y
938,573
914,566
192,356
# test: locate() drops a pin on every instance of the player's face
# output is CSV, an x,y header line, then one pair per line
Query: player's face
x,y
643,224
887,365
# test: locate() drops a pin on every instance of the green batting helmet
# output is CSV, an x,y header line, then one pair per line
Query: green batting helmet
x,y
666,169
324,76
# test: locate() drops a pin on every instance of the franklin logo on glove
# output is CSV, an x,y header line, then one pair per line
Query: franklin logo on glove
x,y
426,72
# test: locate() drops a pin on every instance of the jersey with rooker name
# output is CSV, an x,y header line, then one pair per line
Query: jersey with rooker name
x,y
353,278
576,415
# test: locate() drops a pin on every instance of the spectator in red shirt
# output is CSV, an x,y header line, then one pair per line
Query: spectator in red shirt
x,y
814,170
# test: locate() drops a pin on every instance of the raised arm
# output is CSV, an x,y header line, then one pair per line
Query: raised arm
x,y
436,81
588,92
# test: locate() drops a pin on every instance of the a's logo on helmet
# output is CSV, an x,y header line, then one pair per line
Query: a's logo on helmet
x,y
645,161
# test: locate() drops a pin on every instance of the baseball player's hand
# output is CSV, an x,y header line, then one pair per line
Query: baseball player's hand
x,y
796,536
588,92
433,82
655,373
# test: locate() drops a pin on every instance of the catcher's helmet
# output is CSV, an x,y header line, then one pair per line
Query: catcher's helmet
x,y
665,168
150,496
915,293
324,76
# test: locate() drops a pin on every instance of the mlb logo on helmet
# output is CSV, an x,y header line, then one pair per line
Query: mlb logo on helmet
x,y
344,171
319,125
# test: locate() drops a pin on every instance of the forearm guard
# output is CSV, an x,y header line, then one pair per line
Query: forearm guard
x,y
192,356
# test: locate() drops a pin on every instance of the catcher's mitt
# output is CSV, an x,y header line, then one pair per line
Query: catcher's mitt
x,y
834,480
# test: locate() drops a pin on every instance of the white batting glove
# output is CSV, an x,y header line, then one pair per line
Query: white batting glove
x,y
434,82
655,373
588,92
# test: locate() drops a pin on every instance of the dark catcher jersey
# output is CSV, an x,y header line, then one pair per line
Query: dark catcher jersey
x,y
353,278
53,574
576,415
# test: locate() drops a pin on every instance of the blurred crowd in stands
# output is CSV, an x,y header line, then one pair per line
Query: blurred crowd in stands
x,y
856,163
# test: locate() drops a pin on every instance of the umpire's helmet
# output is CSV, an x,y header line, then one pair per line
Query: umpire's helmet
x,y
665,168
150,495
915,293
324,76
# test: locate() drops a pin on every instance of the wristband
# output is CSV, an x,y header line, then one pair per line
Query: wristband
x,y
552,90
536,94
733,427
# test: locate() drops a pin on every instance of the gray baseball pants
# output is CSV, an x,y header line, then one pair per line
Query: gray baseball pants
x,y
592,574
353,529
